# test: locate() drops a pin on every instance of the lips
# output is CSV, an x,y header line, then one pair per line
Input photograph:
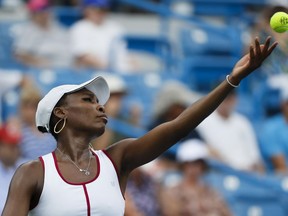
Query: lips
x,y
104,118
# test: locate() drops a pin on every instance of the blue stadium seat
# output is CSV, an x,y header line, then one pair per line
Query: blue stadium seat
x,y
49,78
202,73
158,47
209,53
7,59
247,193
67,16
211,39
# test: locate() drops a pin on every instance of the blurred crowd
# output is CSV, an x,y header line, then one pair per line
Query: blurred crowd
x,y
173,184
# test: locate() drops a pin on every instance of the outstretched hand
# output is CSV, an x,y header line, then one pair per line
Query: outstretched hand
x,y
253,60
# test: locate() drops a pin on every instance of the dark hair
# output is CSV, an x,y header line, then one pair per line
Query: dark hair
x,y
204,164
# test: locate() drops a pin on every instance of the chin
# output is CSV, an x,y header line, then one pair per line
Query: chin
x,y
98,132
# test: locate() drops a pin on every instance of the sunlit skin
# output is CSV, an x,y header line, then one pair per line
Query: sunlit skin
x,y
85,118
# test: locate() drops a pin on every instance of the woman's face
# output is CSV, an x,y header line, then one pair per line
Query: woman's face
x,y
84,113
195,169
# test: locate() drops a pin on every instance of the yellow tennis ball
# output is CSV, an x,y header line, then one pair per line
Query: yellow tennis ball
x,y
279,22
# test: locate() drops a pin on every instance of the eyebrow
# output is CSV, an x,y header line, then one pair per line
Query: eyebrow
x,y
90,94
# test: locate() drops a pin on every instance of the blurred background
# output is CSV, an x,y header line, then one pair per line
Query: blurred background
x,y
158,57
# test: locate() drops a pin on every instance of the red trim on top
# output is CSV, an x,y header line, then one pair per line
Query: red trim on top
x,y
87,200
80,183
43,164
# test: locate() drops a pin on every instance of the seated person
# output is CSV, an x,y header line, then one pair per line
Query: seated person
x,y
191,195
94,39
41,41
231,137
274,138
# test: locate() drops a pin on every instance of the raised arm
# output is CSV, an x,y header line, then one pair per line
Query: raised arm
x,y
140,151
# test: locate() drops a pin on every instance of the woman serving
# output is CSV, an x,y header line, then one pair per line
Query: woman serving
x,y
75,179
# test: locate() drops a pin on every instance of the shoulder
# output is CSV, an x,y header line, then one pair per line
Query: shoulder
x,y
25,187
29,171
28,179
118,150
114,26
120,146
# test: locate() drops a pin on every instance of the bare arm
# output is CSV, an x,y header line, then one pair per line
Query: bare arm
x,y
25,189
89,60
134,153
31,60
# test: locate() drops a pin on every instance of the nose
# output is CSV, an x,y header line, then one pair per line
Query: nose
x,y
101,108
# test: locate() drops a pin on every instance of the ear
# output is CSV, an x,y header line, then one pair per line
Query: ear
x,y
59,112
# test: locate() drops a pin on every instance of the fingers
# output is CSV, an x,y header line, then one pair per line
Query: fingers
x,y
273,46
257,46
259,49
267,44
252,55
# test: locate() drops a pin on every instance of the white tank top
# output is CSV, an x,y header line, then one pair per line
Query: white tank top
x,y
100,196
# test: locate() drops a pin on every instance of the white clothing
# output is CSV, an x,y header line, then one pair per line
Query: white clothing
x,y
9,79
101,196
51,44
104,41
234,139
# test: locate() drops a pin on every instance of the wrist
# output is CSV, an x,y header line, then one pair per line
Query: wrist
x,y
232,81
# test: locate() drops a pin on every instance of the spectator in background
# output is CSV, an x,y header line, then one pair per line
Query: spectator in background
x,y
231,137
170,101
41,41
94,37
130,207
33,142
274,138
9,80
9,157
192,196
143,191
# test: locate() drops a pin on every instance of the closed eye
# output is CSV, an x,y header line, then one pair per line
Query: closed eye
x,y
91,99
88,99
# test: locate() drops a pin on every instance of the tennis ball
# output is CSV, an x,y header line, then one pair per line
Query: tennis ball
x,y
279,22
